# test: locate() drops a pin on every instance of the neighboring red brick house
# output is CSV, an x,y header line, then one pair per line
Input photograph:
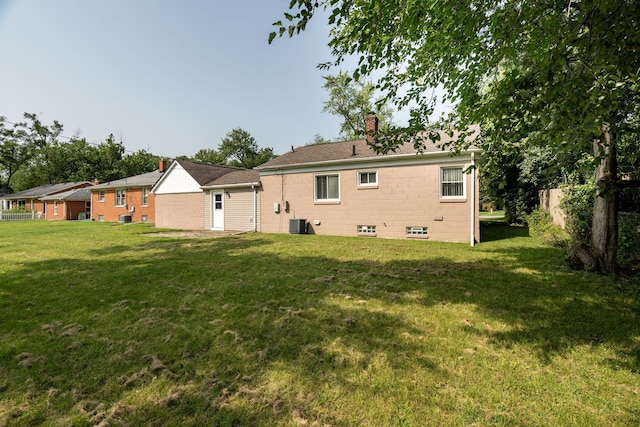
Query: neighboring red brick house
x,y
126,200
31,199
69,205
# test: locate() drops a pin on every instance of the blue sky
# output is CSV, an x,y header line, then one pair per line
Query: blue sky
x,y
171,77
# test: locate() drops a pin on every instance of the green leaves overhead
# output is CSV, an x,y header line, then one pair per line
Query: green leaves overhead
x,y
240,149
351,100
555,74
563,67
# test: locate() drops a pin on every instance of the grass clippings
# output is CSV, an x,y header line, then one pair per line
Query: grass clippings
x,y
102,324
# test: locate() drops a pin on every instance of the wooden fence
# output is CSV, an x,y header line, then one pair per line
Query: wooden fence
x,y
550,202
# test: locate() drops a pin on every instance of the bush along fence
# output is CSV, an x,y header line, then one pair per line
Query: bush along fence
x,y
571,209
21,216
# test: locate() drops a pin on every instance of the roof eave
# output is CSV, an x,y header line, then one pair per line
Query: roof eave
x,y
223,186
389,158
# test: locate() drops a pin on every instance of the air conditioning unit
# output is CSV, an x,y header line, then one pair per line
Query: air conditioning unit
x,y
297,226
124,218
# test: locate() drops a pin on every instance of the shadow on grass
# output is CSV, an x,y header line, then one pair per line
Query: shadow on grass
x,y
191,332
491,231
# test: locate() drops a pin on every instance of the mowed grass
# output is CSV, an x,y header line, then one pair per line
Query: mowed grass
x,y
102,324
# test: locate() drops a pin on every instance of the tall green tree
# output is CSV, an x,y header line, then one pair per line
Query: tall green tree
x,y
209,155
560,74
75,160
317,140
14,152
22,142
351,100
138,163
241,150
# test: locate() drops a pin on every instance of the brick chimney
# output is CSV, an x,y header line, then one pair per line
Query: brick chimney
x,y
370,127
163,165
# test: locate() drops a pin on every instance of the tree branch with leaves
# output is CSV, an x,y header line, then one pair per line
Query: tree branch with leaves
x,y
551,74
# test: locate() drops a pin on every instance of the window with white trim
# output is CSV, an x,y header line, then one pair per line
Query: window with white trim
x,y
145,196
452,182
101,196
368,179
55,207
367,230
327,188
120,197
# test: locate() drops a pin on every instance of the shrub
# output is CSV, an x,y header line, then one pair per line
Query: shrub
x,y
541,225
18,210
629,240
577,204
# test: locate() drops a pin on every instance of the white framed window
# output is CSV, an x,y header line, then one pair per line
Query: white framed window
x,y
145,196
417,231
452,182
120,197
327,188
368,179
22,203
55,207
366,230
101,196
101,218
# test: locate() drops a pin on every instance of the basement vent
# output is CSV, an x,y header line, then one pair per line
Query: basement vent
x,y
124,218
366,230
416,231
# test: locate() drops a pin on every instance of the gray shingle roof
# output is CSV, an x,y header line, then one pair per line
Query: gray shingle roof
x,y
80,194
236,177
205,173
44,190
350,151
142,180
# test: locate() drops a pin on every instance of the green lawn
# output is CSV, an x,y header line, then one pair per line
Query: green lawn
x,y
103,324
490,213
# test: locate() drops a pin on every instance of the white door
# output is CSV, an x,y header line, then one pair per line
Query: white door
x,y
217,210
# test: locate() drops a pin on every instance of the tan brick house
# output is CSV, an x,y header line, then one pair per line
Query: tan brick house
x,y
345,188
202,196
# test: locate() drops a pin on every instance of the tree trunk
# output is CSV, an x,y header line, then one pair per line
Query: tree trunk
x,y
604,236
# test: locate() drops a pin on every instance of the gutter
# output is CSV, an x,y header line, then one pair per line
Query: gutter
x,y
223,186
384,158
473,200
255,208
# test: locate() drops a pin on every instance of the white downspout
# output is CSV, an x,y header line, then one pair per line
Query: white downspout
x,y
255,208
473,200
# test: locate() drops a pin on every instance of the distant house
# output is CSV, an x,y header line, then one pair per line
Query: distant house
x,y
68,205
202,196
128,199
345,188
31,199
